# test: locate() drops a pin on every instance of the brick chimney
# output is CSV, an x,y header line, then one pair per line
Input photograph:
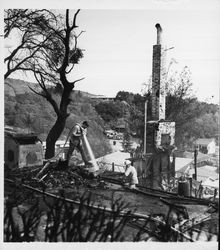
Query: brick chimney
x,y
158,78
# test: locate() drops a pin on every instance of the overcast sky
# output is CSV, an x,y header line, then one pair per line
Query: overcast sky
x,y
118,45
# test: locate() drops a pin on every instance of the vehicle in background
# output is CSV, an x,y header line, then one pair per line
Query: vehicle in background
x,y
111,134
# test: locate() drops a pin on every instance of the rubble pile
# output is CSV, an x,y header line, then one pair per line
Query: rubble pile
x,y
63,178
21,174
56,176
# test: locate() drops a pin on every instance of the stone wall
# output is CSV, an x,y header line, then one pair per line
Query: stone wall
x,y
159,133
165,128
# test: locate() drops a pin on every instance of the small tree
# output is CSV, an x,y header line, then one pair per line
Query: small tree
x,y
28,120
126,142
181,106
110,111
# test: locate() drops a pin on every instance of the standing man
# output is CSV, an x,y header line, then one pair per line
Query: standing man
x,y
79,130
131,172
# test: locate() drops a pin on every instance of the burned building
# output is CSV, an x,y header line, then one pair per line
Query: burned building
x,y
22,150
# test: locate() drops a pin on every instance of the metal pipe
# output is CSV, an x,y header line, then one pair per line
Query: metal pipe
x,y
159,33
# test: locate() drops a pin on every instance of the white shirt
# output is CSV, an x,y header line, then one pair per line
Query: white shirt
x,y
78,130
132,171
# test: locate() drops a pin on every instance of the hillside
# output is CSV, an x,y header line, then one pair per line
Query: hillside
x,y
15,87
24,109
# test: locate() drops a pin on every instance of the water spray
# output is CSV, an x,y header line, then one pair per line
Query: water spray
x,y
95,166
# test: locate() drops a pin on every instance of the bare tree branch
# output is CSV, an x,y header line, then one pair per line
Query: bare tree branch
x,y
67,72
74,20
47,95
36,92
73,83
67,19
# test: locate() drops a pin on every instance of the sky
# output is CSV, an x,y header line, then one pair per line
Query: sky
x,y
118,44
118,48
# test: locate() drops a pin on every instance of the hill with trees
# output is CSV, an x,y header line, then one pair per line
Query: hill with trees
x,y
193,119
25,109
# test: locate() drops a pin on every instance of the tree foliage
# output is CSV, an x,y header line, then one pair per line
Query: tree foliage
x,y
110,110
193,119
126,142
22,111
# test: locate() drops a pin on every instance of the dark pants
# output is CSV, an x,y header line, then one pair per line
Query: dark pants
x,y
78,145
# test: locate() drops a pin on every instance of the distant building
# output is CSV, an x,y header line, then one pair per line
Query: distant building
x,y
61,148
206,145
102,98
120,128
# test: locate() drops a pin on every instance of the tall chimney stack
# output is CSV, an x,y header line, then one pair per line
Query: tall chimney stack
x,y
158,78
159,133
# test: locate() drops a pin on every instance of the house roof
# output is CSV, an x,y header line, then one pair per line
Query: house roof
x,y
23,138
102,97
211,183
204,141
204,172
181,164
117,157
120,126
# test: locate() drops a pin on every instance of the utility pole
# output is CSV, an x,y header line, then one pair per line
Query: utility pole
x,y
195,163
145,127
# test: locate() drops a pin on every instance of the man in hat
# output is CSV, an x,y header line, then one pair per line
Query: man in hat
x,y
78,131
131,173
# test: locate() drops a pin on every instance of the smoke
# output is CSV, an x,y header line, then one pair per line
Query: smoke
x,y
95,167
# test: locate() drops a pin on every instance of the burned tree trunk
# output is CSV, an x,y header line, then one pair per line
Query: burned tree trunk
x,y
53,136
60,123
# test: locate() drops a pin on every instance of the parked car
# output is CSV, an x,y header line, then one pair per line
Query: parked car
x,y
110,133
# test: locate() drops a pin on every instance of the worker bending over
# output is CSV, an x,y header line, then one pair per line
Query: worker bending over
x,y
78,131
131,172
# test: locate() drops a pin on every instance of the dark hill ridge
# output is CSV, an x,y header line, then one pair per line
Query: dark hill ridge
x,y
16,87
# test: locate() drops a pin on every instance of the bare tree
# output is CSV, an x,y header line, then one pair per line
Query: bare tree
x,y
48,49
